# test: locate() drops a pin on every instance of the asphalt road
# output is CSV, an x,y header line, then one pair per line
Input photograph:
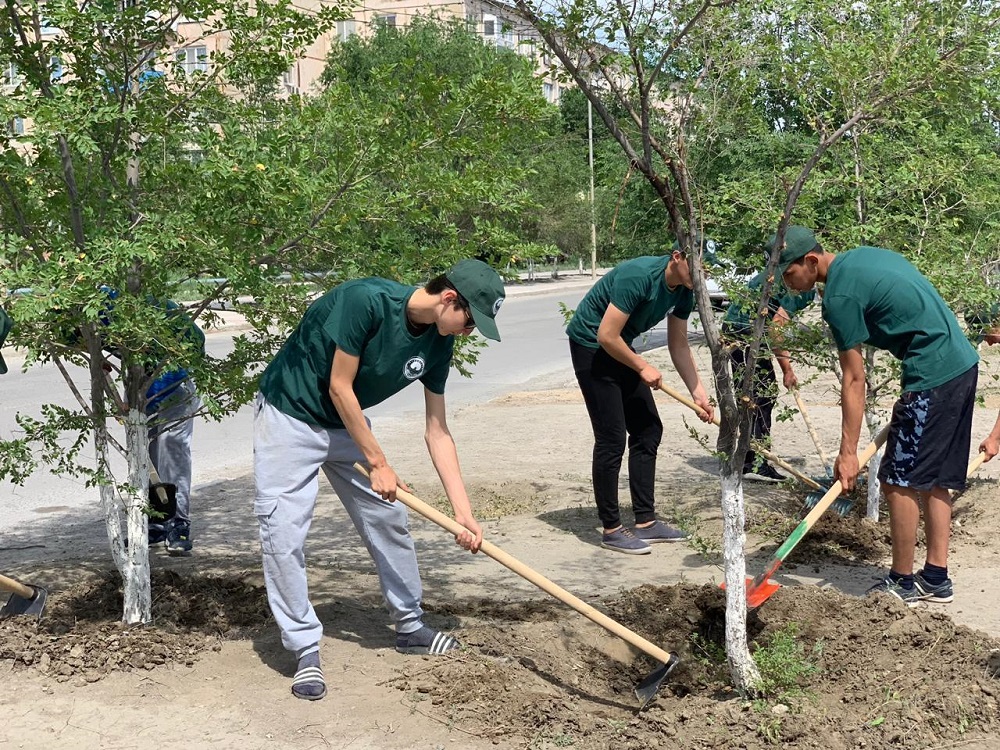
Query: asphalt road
x,y
533,345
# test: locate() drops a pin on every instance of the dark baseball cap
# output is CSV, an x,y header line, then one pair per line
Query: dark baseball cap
x,y
482,288
798,242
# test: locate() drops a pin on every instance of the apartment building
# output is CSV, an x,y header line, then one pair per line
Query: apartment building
x,y
497,22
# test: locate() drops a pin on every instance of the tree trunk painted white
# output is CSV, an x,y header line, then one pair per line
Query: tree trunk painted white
x,y
110,505
138,594
746,676
874,487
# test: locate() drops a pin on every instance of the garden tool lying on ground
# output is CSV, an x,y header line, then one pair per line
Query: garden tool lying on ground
x,y
808,481
24,599
645,690
759,589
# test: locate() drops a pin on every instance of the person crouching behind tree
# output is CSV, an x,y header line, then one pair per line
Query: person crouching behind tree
x,y
877,297
737,325
615,381
356,346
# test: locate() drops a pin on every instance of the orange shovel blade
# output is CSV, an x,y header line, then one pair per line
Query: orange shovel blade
x,y
757,595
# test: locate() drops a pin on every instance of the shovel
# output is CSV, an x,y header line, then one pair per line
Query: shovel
x,y
24,599
645,690
808,481
759,589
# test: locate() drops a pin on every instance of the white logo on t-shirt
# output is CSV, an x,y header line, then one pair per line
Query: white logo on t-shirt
x,y
496,306
413,368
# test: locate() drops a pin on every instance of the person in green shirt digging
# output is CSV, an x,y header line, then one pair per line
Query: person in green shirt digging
x,y
356,346
631,299
737,325
875,296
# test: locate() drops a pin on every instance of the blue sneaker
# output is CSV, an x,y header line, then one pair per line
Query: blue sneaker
x,y
658,532
943,593
909,597
623,540
158,531
178,541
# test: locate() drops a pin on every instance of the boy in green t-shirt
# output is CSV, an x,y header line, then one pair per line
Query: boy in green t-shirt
x,y
877,297
631,299
356,346
737,324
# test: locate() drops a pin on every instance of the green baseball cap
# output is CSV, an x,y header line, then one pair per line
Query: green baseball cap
x,y
709,249
5,325
798,242
482,288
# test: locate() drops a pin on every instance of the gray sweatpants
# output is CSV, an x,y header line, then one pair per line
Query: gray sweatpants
x,y
170,431
288,455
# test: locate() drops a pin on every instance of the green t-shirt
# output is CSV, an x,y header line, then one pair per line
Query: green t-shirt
x,y
877,297
739,315
366,318
637,287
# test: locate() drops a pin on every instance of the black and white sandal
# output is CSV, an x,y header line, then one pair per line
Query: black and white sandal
x,y
308,684
426,642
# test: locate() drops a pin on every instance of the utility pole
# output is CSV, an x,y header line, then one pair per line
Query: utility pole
x,y
593,224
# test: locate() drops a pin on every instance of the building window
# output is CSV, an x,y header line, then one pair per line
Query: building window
x,y
290,81
387,21
55,68
346,29
489,25
550,92
507,36
15,126
9,74
192,60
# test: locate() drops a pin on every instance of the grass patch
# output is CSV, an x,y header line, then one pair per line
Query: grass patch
x,y
784,664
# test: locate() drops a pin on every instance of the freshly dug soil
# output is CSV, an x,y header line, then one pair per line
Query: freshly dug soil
x,y
863,673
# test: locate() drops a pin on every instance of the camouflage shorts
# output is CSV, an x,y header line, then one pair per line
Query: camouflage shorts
x,y
929,436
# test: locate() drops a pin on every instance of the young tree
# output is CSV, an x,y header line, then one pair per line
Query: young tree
x,y
171,181
677,83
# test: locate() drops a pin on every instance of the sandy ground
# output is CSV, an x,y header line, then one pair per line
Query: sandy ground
x,y
526,462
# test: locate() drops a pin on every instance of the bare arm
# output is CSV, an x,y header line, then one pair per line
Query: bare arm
x,y
991,445
609,336
444,456
852,408
342,373
683,359
788,377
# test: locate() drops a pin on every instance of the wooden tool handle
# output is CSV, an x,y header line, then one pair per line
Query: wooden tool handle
x,y
16,587
809,481
812,431
975,463
154,478
686,401
491,550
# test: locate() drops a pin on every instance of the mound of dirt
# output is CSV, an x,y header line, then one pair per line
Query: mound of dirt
x,y
864,673
81,635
